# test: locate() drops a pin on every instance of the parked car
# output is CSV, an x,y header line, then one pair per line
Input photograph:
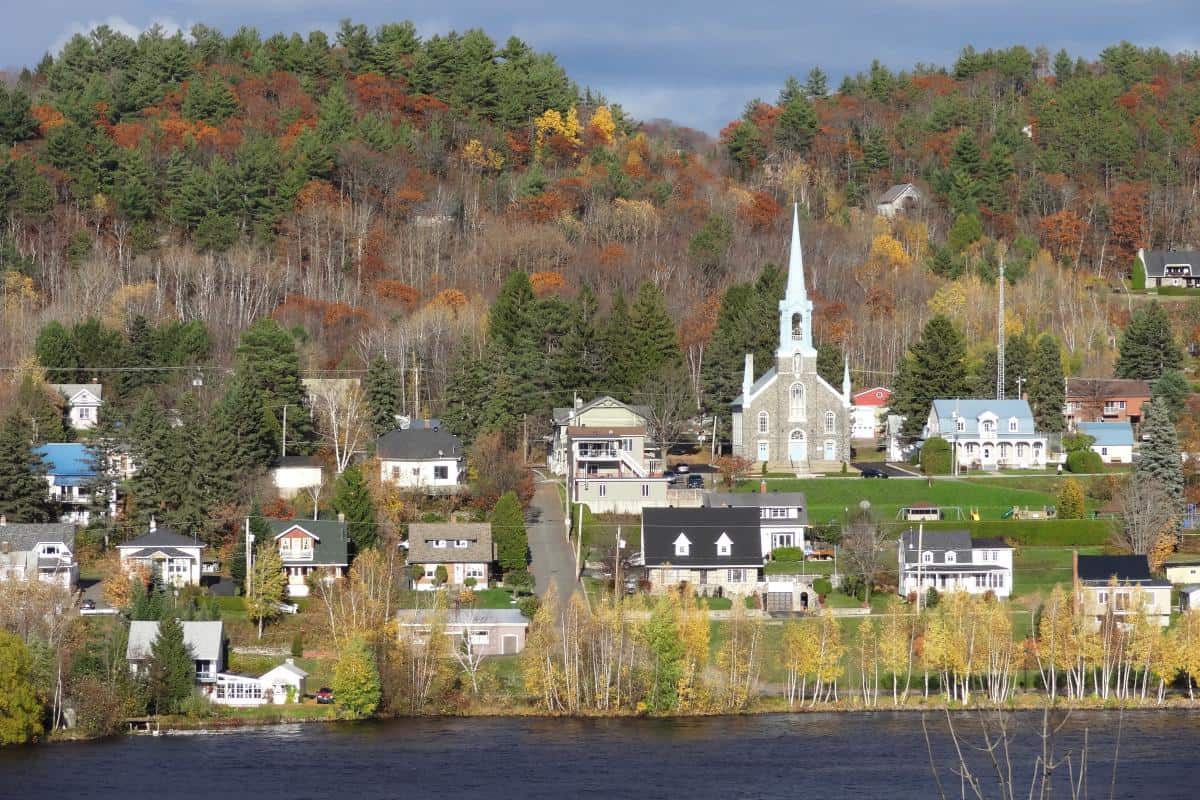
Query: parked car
x,y
631,586
88,604
872,472
695,481
682,469
324,695
671,476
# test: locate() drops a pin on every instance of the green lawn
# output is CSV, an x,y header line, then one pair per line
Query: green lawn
x,y
829,498
232,608
798,568
1037,569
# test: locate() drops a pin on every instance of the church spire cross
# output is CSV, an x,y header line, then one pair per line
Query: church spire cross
x,y
795,309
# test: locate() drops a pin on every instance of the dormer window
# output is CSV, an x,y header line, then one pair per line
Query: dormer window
x,y
988,426
724,545
951,557
461,544
683,545
438,543
1012,425
960,425
927,557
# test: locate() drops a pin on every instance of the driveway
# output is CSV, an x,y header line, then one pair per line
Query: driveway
x,y
553,559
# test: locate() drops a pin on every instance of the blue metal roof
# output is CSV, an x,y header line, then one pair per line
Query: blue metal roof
x,y
1108,434
66,460
972,410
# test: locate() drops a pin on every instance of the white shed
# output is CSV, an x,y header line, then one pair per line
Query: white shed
x,y
276,682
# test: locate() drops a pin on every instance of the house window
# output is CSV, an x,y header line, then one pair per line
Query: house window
x,y
1122,599
1102,597
603,489
85,413
395,473
461,544
796,401
960,425
683,545
439,543
829,422
736,576
431,570
980,581
1103,451
764,422
724,545
474,571
645,490
989,426
479,637
416,472
783,540
1012,425
927,557
951,557
441,473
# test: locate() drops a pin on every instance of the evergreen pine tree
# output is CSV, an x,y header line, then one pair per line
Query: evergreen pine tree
x,y
152,447
23,493
508,532
1172,388
383,394
266,360
1047,390
797,124
56,352
1147,347
830,364
655,343
43,407
1019,363
817,84
171,672
336,115
1160,460
352,499
241,414
618,351
935,367
579,362
464,412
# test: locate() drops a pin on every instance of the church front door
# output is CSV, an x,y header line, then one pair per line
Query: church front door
x,y
797,447
830,450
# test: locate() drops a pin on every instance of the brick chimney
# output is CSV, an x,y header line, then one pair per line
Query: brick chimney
x,y
153,524
762,487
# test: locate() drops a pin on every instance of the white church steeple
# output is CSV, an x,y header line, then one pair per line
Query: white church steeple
x,y
795,309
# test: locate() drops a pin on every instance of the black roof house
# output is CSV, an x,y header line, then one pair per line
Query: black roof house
x,y
1099,570
419,444
706,533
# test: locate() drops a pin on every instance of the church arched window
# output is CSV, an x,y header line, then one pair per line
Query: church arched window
x,y
796,401
797,327
830,422
764,422
797,363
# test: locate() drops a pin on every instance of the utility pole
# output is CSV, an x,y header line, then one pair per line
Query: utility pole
x,y
920,561
524,438
283,441
416,388
1020,383
1000,338
617,566
249,558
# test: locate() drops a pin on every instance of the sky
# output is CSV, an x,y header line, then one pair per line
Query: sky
x,y
696,62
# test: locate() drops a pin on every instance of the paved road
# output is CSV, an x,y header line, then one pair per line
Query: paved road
x,y
551,553
889,469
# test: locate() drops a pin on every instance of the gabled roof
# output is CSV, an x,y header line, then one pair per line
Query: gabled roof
x,y
758,385
205,638
760,500
1108,434
1104,388
26,535
568,415
1157,262
939,543
478,536
875,396
69,463
1126,569
893,194
330,546
71,390
161,537
971,410
702,527
418,444
287,666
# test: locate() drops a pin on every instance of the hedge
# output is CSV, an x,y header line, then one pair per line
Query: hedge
x,y
1178,291
1037,533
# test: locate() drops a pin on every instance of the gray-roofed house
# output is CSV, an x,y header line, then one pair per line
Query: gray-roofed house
x,y
428,460
83,403
205,638
712,550
1171,268
464,549
953,561
783,516
988,434
606,449
487,631
171,557
308,546
1119,585
43,550
898,199
790,418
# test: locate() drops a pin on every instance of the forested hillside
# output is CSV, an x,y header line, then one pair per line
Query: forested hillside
x,y
373,193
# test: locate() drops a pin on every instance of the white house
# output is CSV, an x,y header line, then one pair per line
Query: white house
x,y
83,403
605,449
898,199
782,516
41,550
293,475
952,561
428,460
71,478
988,434
1120,586
281,684
1113,440
868,412
173,559
205,638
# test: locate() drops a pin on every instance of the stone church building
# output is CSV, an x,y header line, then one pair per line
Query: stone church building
x,y
790,418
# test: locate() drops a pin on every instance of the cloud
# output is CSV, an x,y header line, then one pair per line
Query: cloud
x,y
118,24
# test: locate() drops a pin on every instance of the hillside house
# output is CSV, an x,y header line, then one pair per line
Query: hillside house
x,y
1113,440
1180,268
309,547
605,450
952,561
492,631
898,199
868,413
714,551
71,478
464,549
1105,400
205,638
83,401
173,559
782,516
293,475
42,551
426,460
1120,585
988,434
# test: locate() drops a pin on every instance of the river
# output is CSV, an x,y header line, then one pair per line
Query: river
x,y
823,756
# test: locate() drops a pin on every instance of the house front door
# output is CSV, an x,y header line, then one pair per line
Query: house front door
x,y
508,644
797,447
458,573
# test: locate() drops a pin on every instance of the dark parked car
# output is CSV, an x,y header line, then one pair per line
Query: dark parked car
x,y
89,604
324,695
695,481
671,476
872,472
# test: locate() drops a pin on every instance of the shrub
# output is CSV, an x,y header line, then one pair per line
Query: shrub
x,y
1038,533
1178,291
932,598
440,574
1070,500
822,586
298,646
529,605
519,580
470,583
787,554
1137,275
1084,461
935,456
